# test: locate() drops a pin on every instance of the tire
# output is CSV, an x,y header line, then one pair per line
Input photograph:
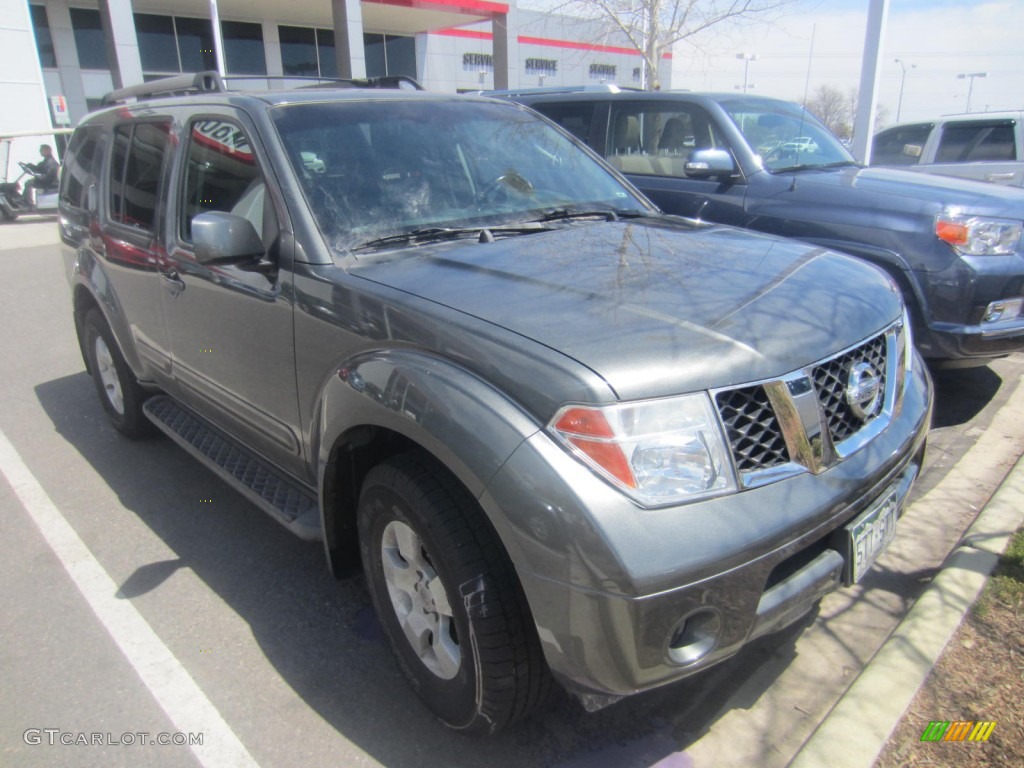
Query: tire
x,y
118,389
440,579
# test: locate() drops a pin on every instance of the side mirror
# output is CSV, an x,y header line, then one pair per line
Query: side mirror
x,y
225,237
708,163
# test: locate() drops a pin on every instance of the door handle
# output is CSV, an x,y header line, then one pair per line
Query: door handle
x,y
999,176
172,282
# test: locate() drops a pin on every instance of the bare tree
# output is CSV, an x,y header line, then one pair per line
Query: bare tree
x,y
833,108
837,110
654,26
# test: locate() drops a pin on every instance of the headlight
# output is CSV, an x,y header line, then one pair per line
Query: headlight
x,y
979,235
657,451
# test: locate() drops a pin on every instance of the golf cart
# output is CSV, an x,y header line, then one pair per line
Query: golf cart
x,y
13,202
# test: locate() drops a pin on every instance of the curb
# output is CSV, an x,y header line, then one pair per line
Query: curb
x,y
857,728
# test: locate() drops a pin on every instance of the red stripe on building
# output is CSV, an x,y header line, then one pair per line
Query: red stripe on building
x,y
547,42
472,7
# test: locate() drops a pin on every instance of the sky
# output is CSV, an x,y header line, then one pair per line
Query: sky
x,y
816,42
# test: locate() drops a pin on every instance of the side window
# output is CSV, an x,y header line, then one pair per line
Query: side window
x,y
900,146
222,174
575,118
81,165
136,171
657,140
976,142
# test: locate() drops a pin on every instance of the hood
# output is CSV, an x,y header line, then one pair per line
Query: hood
x,y
655,306
892,189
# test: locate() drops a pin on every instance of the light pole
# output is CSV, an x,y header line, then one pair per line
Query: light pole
x,y
969,76
903,81
747,58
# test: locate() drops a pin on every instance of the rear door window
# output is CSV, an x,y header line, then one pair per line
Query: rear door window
x,y
137,172
977,141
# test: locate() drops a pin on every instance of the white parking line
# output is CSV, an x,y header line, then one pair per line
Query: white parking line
x,y
167,680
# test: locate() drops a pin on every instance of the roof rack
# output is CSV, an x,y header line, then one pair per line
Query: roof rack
x,y
554,89
214,82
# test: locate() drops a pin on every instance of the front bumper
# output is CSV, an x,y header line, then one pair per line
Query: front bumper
x,y
951,324
625,599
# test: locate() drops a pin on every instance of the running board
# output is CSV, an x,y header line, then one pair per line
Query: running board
x,y
283,499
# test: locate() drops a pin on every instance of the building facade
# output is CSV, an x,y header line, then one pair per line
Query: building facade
x,y
86,48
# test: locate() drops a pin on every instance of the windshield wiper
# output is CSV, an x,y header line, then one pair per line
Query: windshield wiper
x,y
608,214
816,166
437,234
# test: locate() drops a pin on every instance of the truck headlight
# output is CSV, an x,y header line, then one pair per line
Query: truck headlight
x,y
979,235
657,451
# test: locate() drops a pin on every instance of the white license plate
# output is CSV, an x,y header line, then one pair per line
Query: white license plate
x,y
871,533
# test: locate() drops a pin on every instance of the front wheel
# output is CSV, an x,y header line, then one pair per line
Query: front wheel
x,y
119,392
448,598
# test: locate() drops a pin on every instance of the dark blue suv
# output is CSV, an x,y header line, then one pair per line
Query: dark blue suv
x,y
954,246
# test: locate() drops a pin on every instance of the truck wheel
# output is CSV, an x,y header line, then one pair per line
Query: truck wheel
x,y
119,392
448,598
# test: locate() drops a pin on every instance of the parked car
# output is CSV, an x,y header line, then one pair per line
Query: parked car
x,y
569,437
986,146
953,246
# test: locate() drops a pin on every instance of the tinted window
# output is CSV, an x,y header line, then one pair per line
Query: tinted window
x,y
44,42
575,118
325,47
389,55
81,164
89,39
901,145
222,175
136,172
157,45
976,142
243,48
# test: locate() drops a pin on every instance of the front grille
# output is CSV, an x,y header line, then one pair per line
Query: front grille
x,y
830,383
756,436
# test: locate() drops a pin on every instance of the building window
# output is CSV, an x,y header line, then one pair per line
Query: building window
x,y
195,44
307,52
158,45
390,55
44,42
89,39
243,48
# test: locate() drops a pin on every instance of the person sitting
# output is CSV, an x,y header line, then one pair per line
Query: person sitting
x,y
46,170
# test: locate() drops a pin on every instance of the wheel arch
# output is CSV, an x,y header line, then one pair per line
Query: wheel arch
x,y
384,403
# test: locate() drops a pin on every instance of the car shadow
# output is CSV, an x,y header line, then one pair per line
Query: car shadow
x,y
321,636
962,393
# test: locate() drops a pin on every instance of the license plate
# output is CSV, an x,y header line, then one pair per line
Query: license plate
x,y
871,533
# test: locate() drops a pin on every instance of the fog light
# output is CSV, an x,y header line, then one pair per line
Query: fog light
x,y
694,637
1005,309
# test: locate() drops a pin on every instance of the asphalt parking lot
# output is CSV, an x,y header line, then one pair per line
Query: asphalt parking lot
x,y
274,663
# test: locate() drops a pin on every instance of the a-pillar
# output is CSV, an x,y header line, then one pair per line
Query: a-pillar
x,y
122,42
505,35
348,38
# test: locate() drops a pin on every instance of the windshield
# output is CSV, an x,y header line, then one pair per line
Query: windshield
x,y
371,170
786,136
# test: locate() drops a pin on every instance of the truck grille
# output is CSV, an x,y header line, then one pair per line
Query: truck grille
x,y
760,435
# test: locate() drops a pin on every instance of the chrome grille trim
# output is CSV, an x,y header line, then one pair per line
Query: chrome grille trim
x,y
802,422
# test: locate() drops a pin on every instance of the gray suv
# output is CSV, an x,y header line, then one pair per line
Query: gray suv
x,y
568,438
954,246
